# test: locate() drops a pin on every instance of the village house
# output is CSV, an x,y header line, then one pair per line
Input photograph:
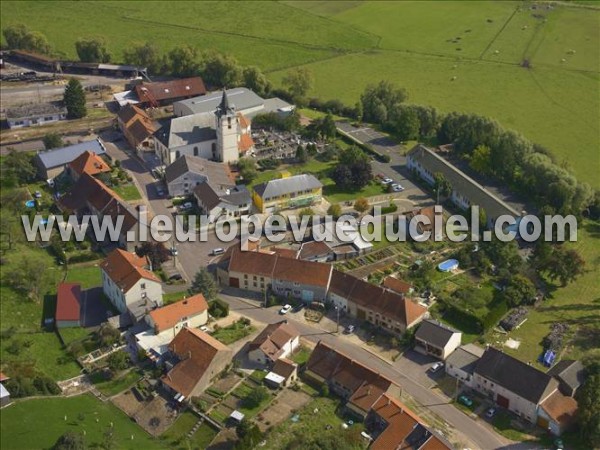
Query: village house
x,y
466,192
187,172
252,271
288,192
129,285
398,286
51,163
88,162
68,305
393,427
195,360
317,251
276,340
224,203
190,312
570,375
246,102
436,339
558,413
137,127
34,114
304,280
461,363
358,385
284,373
220,135
161,93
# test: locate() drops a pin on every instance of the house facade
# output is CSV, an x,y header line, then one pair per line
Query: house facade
x,y
190,312
137,127
129,285
436,339
461,363
223,203
289,192
303,280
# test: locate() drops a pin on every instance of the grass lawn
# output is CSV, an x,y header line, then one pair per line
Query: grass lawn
x,y
232,333
258,375
172,297
119,384
301,355
503,424
88,274
128,192
38,423
176,436
252,412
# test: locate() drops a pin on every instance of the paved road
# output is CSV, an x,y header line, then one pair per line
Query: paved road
x,y
481,435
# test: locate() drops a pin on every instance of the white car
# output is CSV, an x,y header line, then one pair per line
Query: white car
x,y
204,328
437,366
397,188
387,180
285,309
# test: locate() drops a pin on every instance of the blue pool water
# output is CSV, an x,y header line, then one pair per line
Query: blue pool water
x,y
448,265
30,203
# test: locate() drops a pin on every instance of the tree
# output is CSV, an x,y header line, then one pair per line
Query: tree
x,y
15,35
407,124
327,127
589,409
17,168
247,170
361,204
156,252
184,61
257,81
243,428
298,82
480,160
334,210
52,140
354,169
107,335
18,36
204,283
378,101
145,55
118,360
301,154
74,99
441,186
519,291
92,49
255,397
70,441
30,276
565,265
36,42
250,440
221,70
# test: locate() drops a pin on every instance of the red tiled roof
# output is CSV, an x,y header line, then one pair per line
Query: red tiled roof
x,y
285,252
304,272
245,143
273,338
561,408
68,301
89,163
196,351
252,262
313,249
168,316
243,120
284,367
399,286
126,269
166,90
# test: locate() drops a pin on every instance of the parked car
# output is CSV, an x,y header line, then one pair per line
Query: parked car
x,y
160,191
299,307
285,309
465,400
558,444
350,329
218,251
204,328
491,412
187,205
37,194
174,251
437,366
387,180
397,188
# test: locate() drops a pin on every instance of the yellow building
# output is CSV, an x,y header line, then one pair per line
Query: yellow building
x,y
287,192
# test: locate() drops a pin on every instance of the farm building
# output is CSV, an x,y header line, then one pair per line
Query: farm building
x,y
187,172
137,127
34,114
52,163
461,363
436,339
88,162
68,305
166,92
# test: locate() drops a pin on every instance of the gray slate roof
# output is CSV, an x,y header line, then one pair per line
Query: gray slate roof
x,y
212,196
516,376
61,156
570,372
283,186
461,182
465,357
188,130
216,173
33,111
239,99
435,333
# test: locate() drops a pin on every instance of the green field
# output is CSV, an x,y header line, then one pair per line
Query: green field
x,y
39,423
128,192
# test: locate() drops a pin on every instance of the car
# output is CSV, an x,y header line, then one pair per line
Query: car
x,y
37,194
299,307
397,188
160,191
285,309
350,329
187,205
558,444
174,251
387,180
465,400
437,366
218,251
491,412
204,328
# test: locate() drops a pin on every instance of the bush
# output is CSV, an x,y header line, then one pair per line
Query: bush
x,y
218,308
255,397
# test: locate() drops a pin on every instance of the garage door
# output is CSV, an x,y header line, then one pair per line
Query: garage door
x,y
234,282
502,401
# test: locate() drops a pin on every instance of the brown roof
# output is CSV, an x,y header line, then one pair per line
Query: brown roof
x,y
243,120
428,212
273,338
196,351
396,285
342,283
126,269
168,316
561,408
257,263
364,383
137,122
166,90
68,301
313,249
90,163
404,428
284,367
285,252
245,143
128,113
304,272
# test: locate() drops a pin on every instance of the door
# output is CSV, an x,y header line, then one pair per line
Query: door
x,y
502,401
234,282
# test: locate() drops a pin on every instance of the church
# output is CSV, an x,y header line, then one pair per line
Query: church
x,y
222,135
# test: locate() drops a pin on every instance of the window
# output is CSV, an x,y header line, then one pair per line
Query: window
x,y
143,285
195,151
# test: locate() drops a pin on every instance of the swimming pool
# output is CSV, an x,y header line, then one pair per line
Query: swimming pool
x,y
30,203
448,265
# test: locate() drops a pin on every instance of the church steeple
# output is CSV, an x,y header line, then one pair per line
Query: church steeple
x,y
224,108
